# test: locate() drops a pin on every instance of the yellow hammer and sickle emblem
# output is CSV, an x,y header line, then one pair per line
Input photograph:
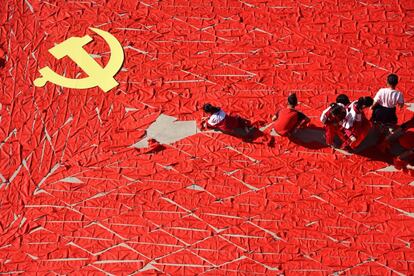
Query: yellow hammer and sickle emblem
x,y
98,76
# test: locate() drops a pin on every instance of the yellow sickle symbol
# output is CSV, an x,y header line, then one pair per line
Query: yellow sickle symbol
x,y
98,76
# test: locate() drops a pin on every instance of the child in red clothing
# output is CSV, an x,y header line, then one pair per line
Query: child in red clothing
x,y
288,119
356,125
332,118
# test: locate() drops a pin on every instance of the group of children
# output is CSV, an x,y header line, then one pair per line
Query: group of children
x,y
345,123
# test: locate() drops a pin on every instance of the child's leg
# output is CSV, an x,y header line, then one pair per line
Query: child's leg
x,y
329,134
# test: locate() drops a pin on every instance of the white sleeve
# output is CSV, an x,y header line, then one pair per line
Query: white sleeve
x,y
324,116
377,98
349,120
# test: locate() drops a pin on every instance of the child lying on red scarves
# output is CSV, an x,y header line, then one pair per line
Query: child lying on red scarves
x,y
356,126
233,125
226,123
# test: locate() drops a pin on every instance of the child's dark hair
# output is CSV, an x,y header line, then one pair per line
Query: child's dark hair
x,y
392,80
338,111
293,100
364,102
208,108
343,99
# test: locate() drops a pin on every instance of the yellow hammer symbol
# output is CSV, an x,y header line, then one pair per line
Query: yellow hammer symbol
x,y
98,76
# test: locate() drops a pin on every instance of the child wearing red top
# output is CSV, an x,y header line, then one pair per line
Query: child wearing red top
x,y
356,125
332,118
288,119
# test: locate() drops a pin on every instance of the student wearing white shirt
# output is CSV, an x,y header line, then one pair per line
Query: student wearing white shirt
x,y
385,102
355,124
233,125
332,118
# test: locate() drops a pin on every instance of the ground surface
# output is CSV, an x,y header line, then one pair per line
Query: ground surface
x,y
75,197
